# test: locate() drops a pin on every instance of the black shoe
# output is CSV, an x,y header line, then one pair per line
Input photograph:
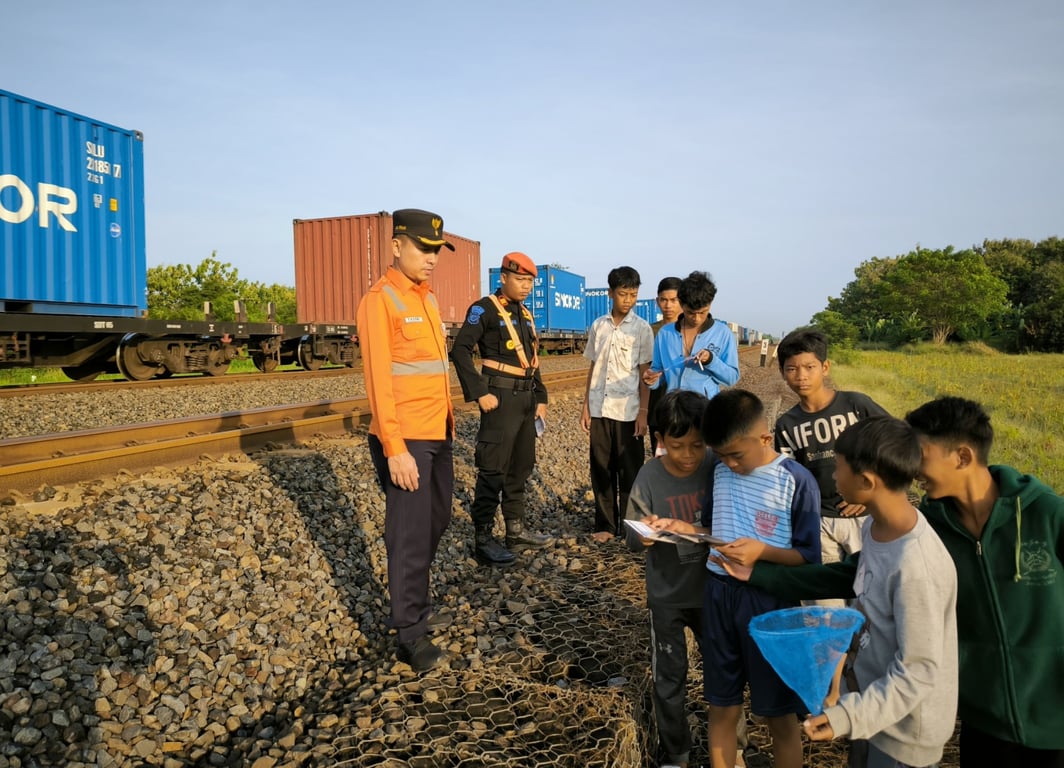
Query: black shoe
x,y
519,536
491,552
487,550
421,655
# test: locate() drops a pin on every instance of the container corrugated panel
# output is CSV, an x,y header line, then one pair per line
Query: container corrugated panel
x,y
596,303
338,259
71,213
648,310
556,301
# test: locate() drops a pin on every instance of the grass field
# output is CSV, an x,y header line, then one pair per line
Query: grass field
x,y
1024,395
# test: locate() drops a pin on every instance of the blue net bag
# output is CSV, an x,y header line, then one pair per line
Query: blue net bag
x,y
804,646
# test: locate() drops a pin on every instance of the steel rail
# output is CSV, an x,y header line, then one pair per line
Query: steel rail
x,y
28,463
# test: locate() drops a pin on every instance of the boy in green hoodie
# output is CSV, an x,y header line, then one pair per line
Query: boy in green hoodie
x,y
1005,533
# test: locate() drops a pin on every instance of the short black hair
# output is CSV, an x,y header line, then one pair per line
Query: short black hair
x,y
697,290
731,414
679,412
954,420
668,284
622,277
884,446
802,340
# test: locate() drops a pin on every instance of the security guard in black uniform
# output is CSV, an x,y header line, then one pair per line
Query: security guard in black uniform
x,y
511,396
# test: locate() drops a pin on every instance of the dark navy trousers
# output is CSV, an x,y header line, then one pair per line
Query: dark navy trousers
x,y
414,522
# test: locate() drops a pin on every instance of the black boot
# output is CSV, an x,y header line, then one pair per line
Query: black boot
x,y
519,536
487,550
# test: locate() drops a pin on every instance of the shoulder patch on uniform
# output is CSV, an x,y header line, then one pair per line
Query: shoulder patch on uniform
x,y
475,312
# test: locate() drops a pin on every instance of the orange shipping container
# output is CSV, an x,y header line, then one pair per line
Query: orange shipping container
x,y
338,259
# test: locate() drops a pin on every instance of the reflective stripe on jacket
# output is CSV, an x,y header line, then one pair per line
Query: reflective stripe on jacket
x,y
404,360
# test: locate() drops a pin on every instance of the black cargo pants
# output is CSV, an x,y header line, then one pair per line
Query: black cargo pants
x,y
506,451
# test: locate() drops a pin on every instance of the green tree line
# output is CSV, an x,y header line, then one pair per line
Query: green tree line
x,y
177,292
1007,293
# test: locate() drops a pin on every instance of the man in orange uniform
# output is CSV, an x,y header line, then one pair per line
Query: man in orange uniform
x,y
404,356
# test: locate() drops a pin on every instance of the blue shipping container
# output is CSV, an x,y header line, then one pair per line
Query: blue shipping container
x,y
648,310
556,301
597,301
71,213
598,304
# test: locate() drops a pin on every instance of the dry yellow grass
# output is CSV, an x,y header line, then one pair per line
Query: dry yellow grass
x,y
1024,395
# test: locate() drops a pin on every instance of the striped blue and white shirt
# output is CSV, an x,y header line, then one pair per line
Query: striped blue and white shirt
x,y
778,503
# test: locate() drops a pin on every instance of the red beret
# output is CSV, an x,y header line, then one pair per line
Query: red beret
x,y
519,263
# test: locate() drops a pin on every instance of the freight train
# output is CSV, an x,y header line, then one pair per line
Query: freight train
x,y
73,269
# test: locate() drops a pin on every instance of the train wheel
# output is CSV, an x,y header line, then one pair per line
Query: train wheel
x,y
217,365
264,363
306,358
129,363
86,372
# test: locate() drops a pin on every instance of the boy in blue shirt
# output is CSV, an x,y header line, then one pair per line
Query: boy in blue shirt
x,y
767,507
696,352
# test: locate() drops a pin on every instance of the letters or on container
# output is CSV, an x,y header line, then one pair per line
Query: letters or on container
x,y
556,301
71,213
338,259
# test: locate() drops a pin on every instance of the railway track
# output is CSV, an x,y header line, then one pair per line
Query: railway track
x,y
28,463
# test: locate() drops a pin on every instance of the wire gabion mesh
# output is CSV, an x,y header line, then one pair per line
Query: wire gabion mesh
x,y
566,687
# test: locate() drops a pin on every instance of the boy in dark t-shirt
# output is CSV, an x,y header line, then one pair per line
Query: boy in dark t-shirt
x,y
807,433
673,485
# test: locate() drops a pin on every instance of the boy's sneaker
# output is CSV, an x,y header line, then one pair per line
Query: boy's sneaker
x,y
421,654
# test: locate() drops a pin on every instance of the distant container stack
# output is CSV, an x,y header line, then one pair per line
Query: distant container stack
x,y
339,259
598,304
556,301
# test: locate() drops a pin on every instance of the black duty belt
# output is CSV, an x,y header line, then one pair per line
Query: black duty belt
x,y
511,383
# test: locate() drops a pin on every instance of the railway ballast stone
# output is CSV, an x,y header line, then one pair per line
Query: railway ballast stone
x,y
231,613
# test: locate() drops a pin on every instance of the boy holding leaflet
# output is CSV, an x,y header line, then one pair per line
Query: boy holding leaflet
x,y
673,486
768,507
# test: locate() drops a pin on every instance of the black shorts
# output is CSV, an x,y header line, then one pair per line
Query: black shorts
x,y
731,658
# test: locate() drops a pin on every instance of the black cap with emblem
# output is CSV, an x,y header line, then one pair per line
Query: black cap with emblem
x,y
423,226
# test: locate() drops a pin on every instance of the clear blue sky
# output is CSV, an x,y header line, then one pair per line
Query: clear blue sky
x,y
776,145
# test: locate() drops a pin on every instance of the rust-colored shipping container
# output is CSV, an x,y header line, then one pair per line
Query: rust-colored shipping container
x,y
338,259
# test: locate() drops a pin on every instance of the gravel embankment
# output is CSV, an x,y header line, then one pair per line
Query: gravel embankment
x,y
230,613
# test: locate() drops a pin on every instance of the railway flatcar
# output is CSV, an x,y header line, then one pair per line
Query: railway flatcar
x,y
73,274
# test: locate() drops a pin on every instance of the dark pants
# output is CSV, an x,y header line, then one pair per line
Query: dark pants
x,y
616,456
981,750
414,521
668,658
506,452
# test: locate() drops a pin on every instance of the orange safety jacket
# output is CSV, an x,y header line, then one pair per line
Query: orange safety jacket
x,y
404,360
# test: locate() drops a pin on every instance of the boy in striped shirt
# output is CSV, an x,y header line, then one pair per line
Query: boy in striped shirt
x,y
767,507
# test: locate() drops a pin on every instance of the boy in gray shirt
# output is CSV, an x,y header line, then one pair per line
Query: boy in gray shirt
x,y
906,586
